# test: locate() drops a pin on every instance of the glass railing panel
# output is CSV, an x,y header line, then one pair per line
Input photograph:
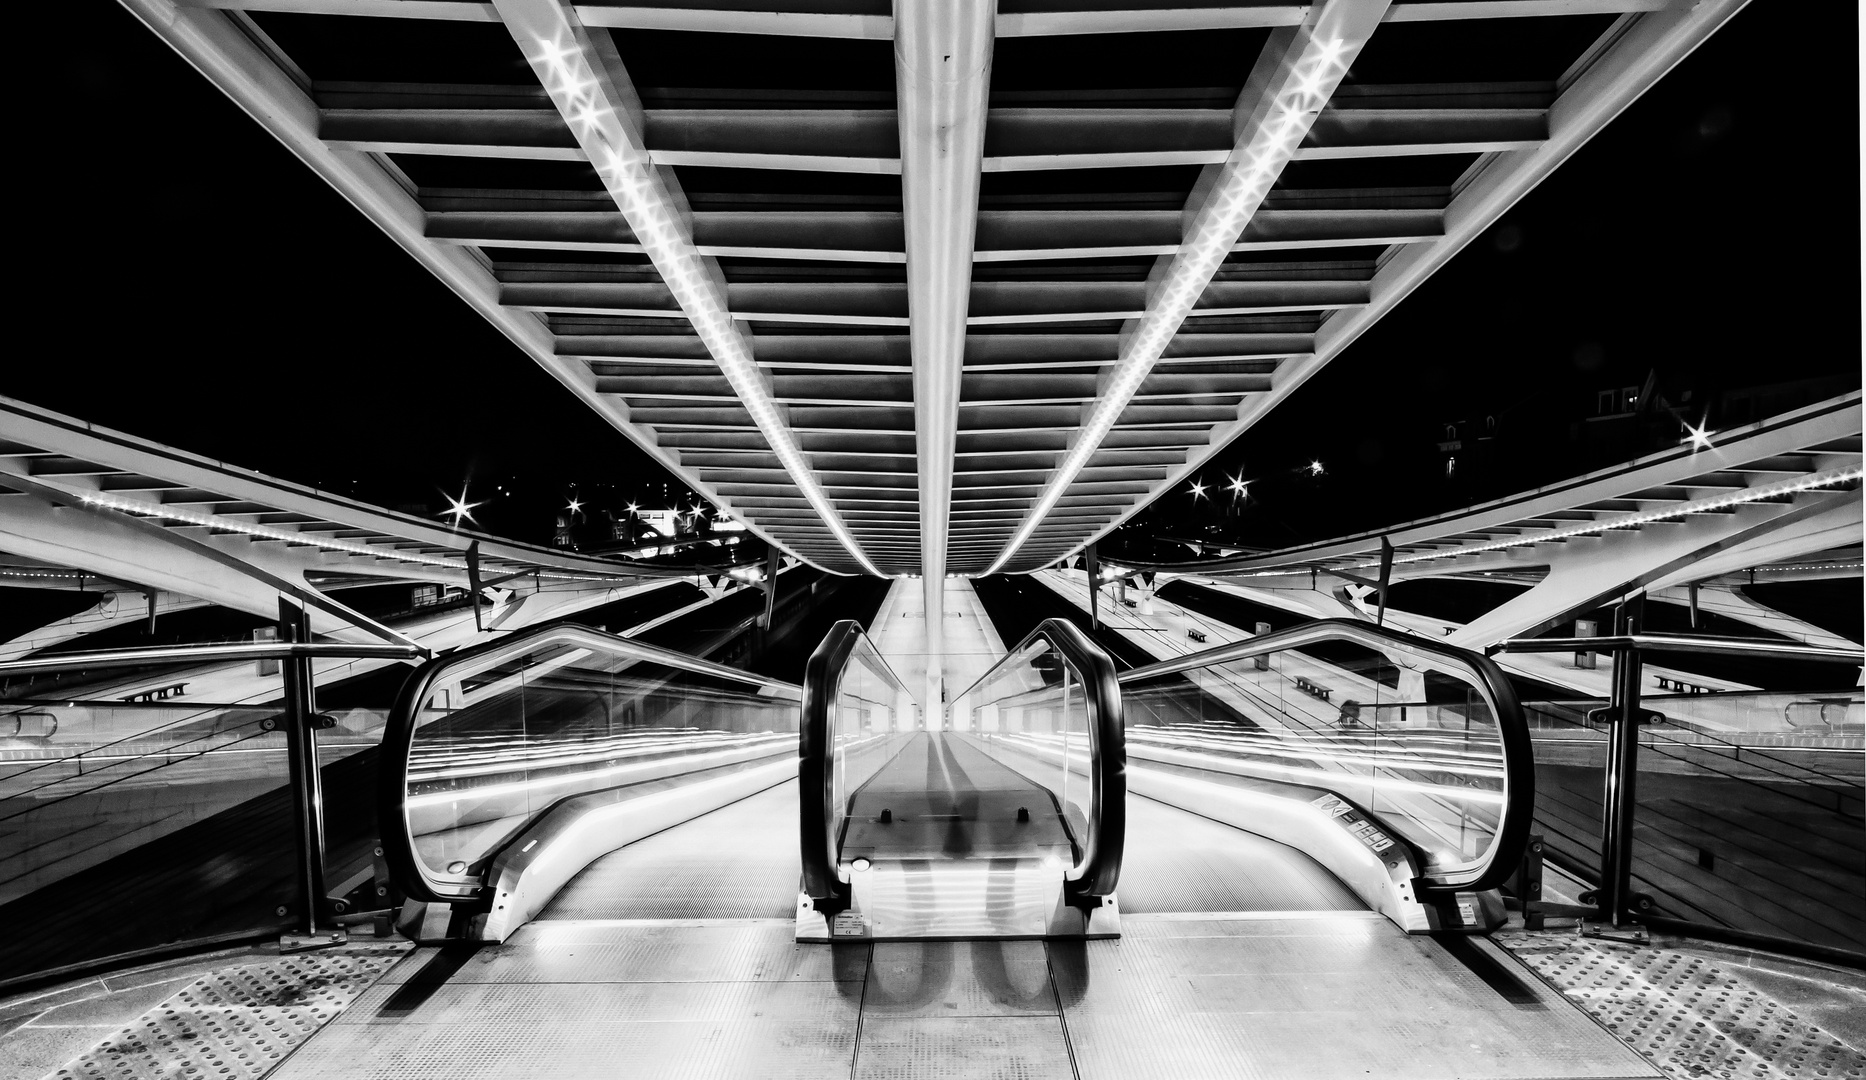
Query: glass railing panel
x,y
1029,714
1747,808
873,714
1749,814
501,736
1409,735
1570,756
187,801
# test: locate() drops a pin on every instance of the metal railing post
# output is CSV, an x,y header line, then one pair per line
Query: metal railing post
x,y
307,784
1618,799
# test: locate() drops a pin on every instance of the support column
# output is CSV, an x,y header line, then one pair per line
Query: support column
x,y
1618,800
307,784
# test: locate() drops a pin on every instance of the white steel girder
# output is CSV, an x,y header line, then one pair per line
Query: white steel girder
x,y
942,64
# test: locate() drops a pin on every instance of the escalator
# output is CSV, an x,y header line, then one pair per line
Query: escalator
x,y
1334,766
510,767
1398,764
1305,829
1001,816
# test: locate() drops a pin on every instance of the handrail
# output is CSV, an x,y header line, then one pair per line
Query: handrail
x,y
1099,868
1513,828
816,764
822,677
398,846
1759,648
192,654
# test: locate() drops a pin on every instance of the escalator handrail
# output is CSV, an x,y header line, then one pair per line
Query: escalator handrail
x,y
398,735
822,681
1099,868
1513,828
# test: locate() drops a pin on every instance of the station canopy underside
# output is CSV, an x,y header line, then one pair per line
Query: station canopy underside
x,y
938,286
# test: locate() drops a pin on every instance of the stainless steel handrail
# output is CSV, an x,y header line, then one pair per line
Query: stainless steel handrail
x,y
207,654
1099,868
816,766
1758,648
398,844
1512,836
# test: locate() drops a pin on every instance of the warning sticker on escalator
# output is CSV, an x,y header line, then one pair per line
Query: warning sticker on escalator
x,y
1354,821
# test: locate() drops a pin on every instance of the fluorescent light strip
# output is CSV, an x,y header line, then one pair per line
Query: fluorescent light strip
x,y
1824,478
263,532
1247,177
630,176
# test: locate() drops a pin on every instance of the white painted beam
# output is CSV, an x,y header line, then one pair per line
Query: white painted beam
x,y
1293,79
224,53
586,82
1619,74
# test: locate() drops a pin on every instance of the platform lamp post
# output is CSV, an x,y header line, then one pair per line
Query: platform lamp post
x,y
302,722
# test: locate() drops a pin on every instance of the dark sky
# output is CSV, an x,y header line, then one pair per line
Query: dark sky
x,y
192,282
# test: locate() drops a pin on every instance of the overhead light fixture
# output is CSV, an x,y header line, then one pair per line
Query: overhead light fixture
x,y
1246,177
1823,479
165,512
1700,435
1198,491
628,173
460,509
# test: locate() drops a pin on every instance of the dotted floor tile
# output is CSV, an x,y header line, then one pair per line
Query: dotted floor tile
x,y
236,1023
1684,1013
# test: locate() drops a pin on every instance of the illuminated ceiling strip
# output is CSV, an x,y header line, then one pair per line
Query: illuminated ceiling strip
x,y
1317,57
1624,63
1823,479
263,532
573,73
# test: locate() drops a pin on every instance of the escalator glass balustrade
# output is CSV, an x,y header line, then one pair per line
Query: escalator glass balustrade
x,y
1401,764
510,767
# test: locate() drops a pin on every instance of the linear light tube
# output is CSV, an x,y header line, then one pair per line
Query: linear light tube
x,y
1824,478
630,176
263,532
1247,177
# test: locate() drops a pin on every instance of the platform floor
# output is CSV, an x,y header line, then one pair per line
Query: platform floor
x,y
1320,996
674,957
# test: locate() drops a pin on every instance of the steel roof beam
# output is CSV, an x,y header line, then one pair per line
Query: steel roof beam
x,y
1635,59
876,27
591,90
878,238
1287,89
229,57
868,140
942,77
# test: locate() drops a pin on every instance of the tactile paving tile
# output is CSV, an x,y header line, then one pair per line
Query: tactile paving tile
x,y
236,1023
1684,1013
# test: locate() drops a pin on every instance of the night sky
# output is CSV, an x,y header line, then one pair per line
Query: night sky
x,y
193,283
